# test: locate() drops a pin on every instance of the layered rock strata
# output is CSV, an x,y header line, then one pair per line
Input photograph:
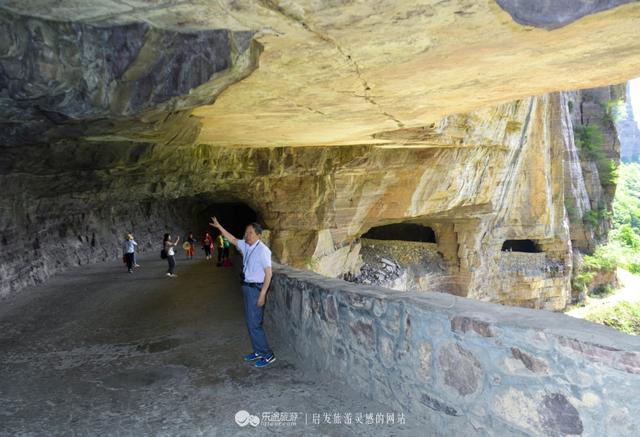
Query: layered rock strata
x,y
488,176
115,113
329,72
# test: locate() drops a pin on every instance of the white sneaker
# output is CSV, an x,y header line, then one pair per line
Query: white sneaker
x,y
174,276
168,274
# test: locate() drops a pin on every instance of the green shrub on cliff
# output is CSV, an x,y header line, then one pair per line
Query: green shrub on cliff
x,y
623,248
590,141
614,111
624,317
581,280
626,236
572,211
626,205
594,217
605,259
608,172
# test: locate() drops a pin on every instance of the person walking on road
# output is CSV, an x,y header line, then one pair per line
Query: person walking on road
x,y
220,246
129,251
190,248
168,246
256,277
207,245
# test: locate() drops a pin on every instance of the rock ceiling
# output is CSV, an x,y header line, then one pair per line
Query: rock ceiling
x,y
285,73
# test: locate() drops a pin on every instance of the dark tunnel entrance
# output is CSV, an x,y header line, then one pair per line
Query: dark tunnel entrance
x,y
402,232
528,246
233,216
196,213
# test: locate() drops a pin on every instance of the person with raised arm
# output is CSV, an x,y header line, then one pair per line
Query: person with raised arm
x,y
256,277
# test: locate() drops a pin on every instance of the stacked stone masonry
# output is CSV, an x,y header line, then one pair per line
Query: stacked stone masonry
x,y
459,365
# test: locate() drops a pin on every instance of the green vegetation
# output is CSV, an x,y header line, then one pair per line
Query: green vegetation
x,y
572,211
626,205
624,317
595,216
590,142
615,110
605,259
625,234
623,248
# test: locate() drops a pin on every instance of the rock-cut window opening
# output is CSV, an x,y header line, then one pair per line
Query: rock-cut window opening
x,y
402,232
528,246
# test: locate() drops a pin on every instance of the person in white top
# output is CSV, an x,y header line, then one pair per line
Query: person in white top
x,y
256,277
129,251
168,246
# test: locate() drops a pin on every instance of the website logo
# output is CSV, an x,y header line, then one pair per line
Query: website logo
x,y
244,418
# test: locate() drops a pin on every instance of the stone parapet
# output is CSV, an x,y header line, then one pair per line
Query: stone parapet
x,y
460,365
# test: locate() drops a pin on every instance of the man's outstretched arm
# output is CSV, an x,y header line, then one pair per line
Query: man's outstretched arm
x,y
223,231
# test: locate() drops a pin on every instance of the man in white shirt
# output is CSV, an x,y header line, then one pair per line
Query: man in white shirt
x,y
256,277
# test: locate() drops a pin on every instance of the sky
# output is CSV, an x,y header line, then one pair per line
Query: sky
x,y
634,90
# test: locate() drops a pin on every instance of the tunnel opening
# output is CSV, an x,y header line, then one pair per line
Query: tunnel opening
x,y
233,216
404,257
526,246
196,213
402,232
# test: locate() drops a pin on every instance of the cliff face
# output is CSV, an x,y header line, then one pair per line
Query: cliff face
x,y
488,176
312,73
590,177
138,119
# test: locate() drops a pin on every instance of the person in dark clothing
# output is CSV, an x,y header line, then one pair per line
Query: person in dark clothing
x,y
207,245
192,245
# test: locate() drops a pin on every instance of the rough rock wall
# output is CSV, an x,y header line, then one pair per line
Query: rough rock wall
x,y
589,181
508,185
115,79
538,280
486,177
330,72
47,235
403,265
131,103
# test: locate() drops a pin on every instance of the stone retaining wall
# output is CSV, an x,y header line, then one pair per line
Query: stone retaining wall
x,y
530,264
459,365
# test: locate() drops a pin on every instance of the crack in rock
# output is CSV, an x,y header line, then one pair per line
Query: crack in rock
x,y
292,16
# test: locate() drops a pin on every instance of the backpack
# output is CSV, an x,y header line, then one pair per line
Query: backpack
x,y
163,254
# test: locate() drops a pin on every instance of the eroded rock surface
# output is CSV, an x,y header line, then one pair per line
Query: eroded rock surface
x,y
330,72
137,116
497,174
